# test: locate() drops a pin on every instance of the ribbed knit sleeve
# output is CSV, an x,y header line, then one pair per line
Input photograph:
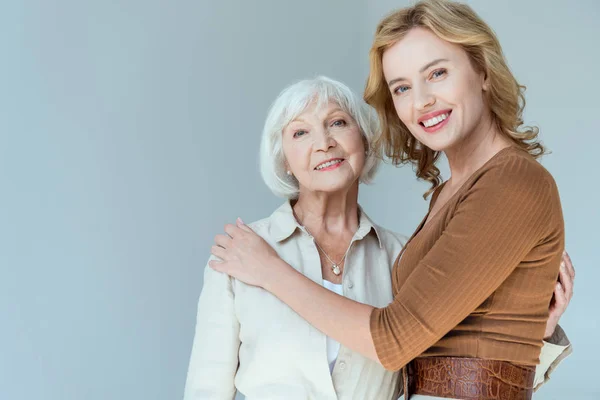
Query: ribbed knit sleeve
x,y
502,214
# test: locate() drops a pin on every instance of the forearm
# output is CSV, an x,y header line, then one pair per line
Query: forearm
x,y
342,319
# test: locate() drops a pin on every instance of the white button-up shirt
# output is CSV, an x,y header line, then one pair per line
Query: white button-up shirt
x,y
247,339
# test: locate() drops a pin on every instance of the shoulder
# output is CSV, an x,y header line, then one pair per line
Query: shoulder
x,y
261,226
389,236
391,242
515,171
213,278
513,180
278,226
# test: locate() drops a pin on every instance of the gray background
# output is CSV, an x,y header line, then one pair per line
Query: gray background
x,y
129,134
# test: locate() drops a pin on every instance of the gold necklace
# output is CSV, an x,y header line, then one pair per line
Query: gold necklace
x,y
335,267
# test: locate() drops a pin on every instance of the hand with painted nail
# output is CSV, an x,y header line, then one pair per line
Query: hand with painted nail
x,y
563,292
244,255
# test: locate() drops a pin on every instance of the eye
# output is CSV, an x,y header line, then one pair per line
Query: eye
x,y
339,123
299,133
438,73
401,89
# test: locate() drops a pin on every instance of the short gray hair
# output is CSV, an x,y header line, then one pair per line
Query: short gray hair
x,y
292,102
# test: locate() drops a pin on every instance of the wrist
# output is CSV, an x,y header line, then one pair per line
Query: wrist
x,y
275,274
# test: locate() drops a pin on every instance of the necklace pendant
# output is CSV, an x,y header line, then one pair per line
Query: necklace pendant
x,y
336,269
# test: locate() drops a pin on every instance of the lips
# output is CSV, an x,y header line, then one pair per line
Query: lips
x,y
329,164
434,121
433,114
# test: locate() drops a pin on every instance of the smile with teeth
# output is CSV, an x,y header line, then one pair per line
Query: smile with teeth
x,y
435,120
329,163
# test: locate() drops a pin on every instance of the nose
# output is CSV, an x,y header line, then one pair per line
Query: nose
x,y
324,140
423,98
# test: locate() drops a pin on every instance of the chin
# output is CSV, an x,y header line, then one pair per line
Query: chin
x,y
441,144
334,187
437,141
438,147
433,145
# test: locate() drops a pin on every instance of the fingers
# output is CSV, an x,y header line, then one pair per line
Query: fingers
x,y
232,230
237,229
560,293
566,282
569,264
243,226
217,265
219,252
223,241
558,305
560,301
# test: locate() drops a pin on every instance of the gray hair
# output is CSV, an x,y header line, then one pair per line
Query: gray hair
x,y
292,102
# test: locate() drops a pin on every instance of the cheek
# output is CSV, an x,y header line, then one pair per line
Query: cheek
x,y
295,157
467,91
350,139
359,160
405,114
404,110
358,144
478,101
474,107
354,147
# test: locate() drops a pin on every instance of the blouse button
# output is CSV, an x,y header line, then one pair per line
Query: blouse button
x,y
350,285
342,365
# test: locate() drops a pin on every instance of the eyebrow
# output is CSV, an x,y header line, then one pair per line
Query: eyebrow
x,y
335,110
429,65
329,114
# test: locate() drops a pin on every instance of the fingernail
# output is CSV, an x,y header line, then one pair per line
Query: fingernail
x,y
239,220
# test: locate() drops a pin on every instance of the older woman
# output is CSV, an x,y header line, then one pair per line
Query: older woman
x,y
316,150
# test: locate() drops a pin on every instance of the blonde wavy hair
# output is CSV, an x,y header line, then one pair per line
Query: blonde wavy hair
x,y
455,23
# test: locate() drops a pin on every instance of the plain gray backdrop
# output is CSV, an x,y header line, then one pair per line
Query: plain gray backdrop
x,y
129,135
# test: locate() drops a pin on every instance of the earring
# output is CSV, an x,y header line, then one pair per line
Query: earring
x,y
289,173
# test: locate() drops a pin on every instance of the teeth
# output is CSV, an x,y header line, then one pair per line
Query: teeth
x,y
328,164
435,120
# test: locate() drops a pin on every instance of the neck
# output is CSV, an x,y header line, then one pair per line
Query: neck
x,y
334,214
472,153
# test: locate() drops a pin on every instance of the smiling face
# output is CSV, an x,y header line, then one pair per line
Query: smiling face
x,y
437,93
324,149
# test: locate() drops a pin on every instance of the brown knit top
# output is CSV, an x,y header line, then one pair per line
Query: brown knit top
x,y
477,280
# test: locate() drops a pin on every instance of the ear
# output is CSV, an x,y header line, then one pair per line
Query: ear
x,y
485,85
287,168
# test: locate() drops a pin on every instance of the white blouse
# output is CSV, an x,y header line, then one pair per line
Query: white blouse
x,y
247,340
333,347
